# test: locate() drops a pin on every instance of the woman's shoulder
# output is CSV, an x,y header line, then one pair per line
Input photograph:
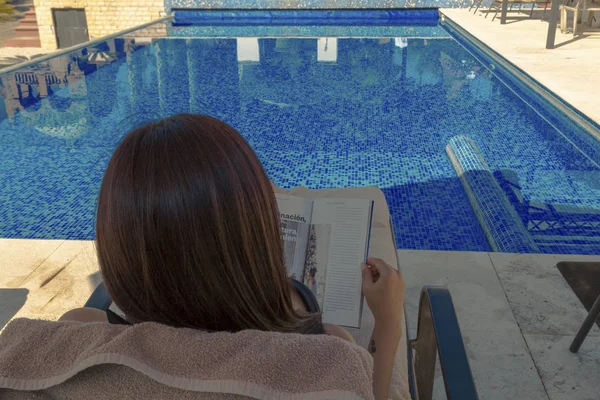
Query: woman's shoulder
x,y
338,331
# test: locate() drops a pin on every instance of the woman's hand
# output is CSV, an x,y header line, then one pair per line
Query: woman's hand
x,y
383,288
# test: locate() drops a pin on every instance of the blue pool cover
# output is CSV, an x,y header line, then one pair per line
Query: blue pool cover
x,y
414,17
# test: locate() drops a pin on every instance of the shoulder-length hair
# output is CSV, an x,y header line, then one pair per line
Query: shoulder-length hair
x,y
188,232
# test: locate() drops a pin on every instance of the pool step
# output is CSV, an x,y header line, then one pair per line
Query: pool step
x,y
500,222
27,33
28,41
28,21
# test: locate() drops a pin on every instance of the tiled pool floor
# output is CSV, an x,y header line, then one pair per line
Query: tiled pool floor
x,y
381,113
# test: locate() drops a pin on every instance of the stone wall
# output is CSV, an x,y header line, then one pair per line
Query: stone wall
x,y
103,16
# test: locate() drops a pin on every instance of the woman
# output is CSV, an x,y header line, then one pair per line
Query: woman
x,y
188,235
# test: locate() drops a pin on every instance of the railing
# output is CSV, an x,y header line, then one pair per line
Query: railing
x,y
61,52
26,78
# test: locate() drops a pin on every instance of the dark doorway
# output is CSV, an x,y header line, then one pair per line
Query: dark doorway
x,y
70,26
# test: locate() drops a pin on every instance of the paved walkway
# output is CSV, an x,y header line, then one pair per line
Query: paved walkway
x,y
517,313
570,70
45,278
517,316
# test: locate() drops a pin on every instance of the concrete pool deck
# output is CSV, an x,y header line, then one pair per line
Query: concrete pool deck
x,y
517,313
570,69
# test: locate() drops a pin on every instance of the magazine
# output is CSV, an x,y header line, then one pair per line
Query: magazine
x,y
325,241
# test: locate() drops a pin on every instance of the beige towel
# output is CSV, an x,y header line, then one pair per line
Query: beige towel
x,y
146,379
75,360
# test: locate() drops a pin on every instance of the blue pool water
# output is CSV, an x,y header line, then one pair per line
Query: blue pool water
x,y
319,113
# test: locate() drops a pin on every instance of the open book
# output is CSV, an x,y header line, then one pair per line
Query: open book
x,y
325,241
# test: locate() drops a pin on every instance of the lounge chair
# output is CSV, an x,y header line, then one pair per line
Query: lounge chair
x,y
577,7
582,277
438,334
438,330
589,321
497,6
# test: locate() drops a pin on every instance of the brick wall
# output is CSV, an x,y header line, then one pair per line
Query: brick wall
x,y
103,16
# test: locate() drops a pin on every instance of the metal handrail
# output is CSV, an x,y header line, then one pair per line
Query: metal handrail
x,y
61,52
438,332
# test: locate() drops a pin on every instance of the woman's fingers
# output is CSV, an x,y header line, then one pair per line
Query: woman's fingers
x,y
367,275
379,266
383,289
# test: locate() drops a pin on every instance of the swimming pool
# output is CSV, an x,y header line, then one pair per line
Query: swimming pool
x,y
322,106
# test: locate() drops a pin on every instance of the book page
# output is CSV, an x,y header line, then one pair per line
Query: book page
x,y
340,230
295,213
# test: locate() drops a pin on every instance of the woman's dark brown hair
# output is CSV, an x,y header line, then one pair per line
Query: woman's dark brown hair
x,y
188,232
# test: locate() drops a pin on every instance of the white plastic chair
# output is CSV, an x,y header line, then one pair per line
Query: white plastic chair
x,y
577,7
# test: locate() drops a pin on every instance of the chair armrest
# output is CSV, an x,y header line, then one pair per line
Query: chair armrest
x,y
439,332
99,299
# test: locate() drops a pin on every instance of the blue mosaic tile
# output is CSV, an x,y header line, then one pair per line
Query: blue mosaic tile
x,y
500,221
419,17
307,31
381,113
316,4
